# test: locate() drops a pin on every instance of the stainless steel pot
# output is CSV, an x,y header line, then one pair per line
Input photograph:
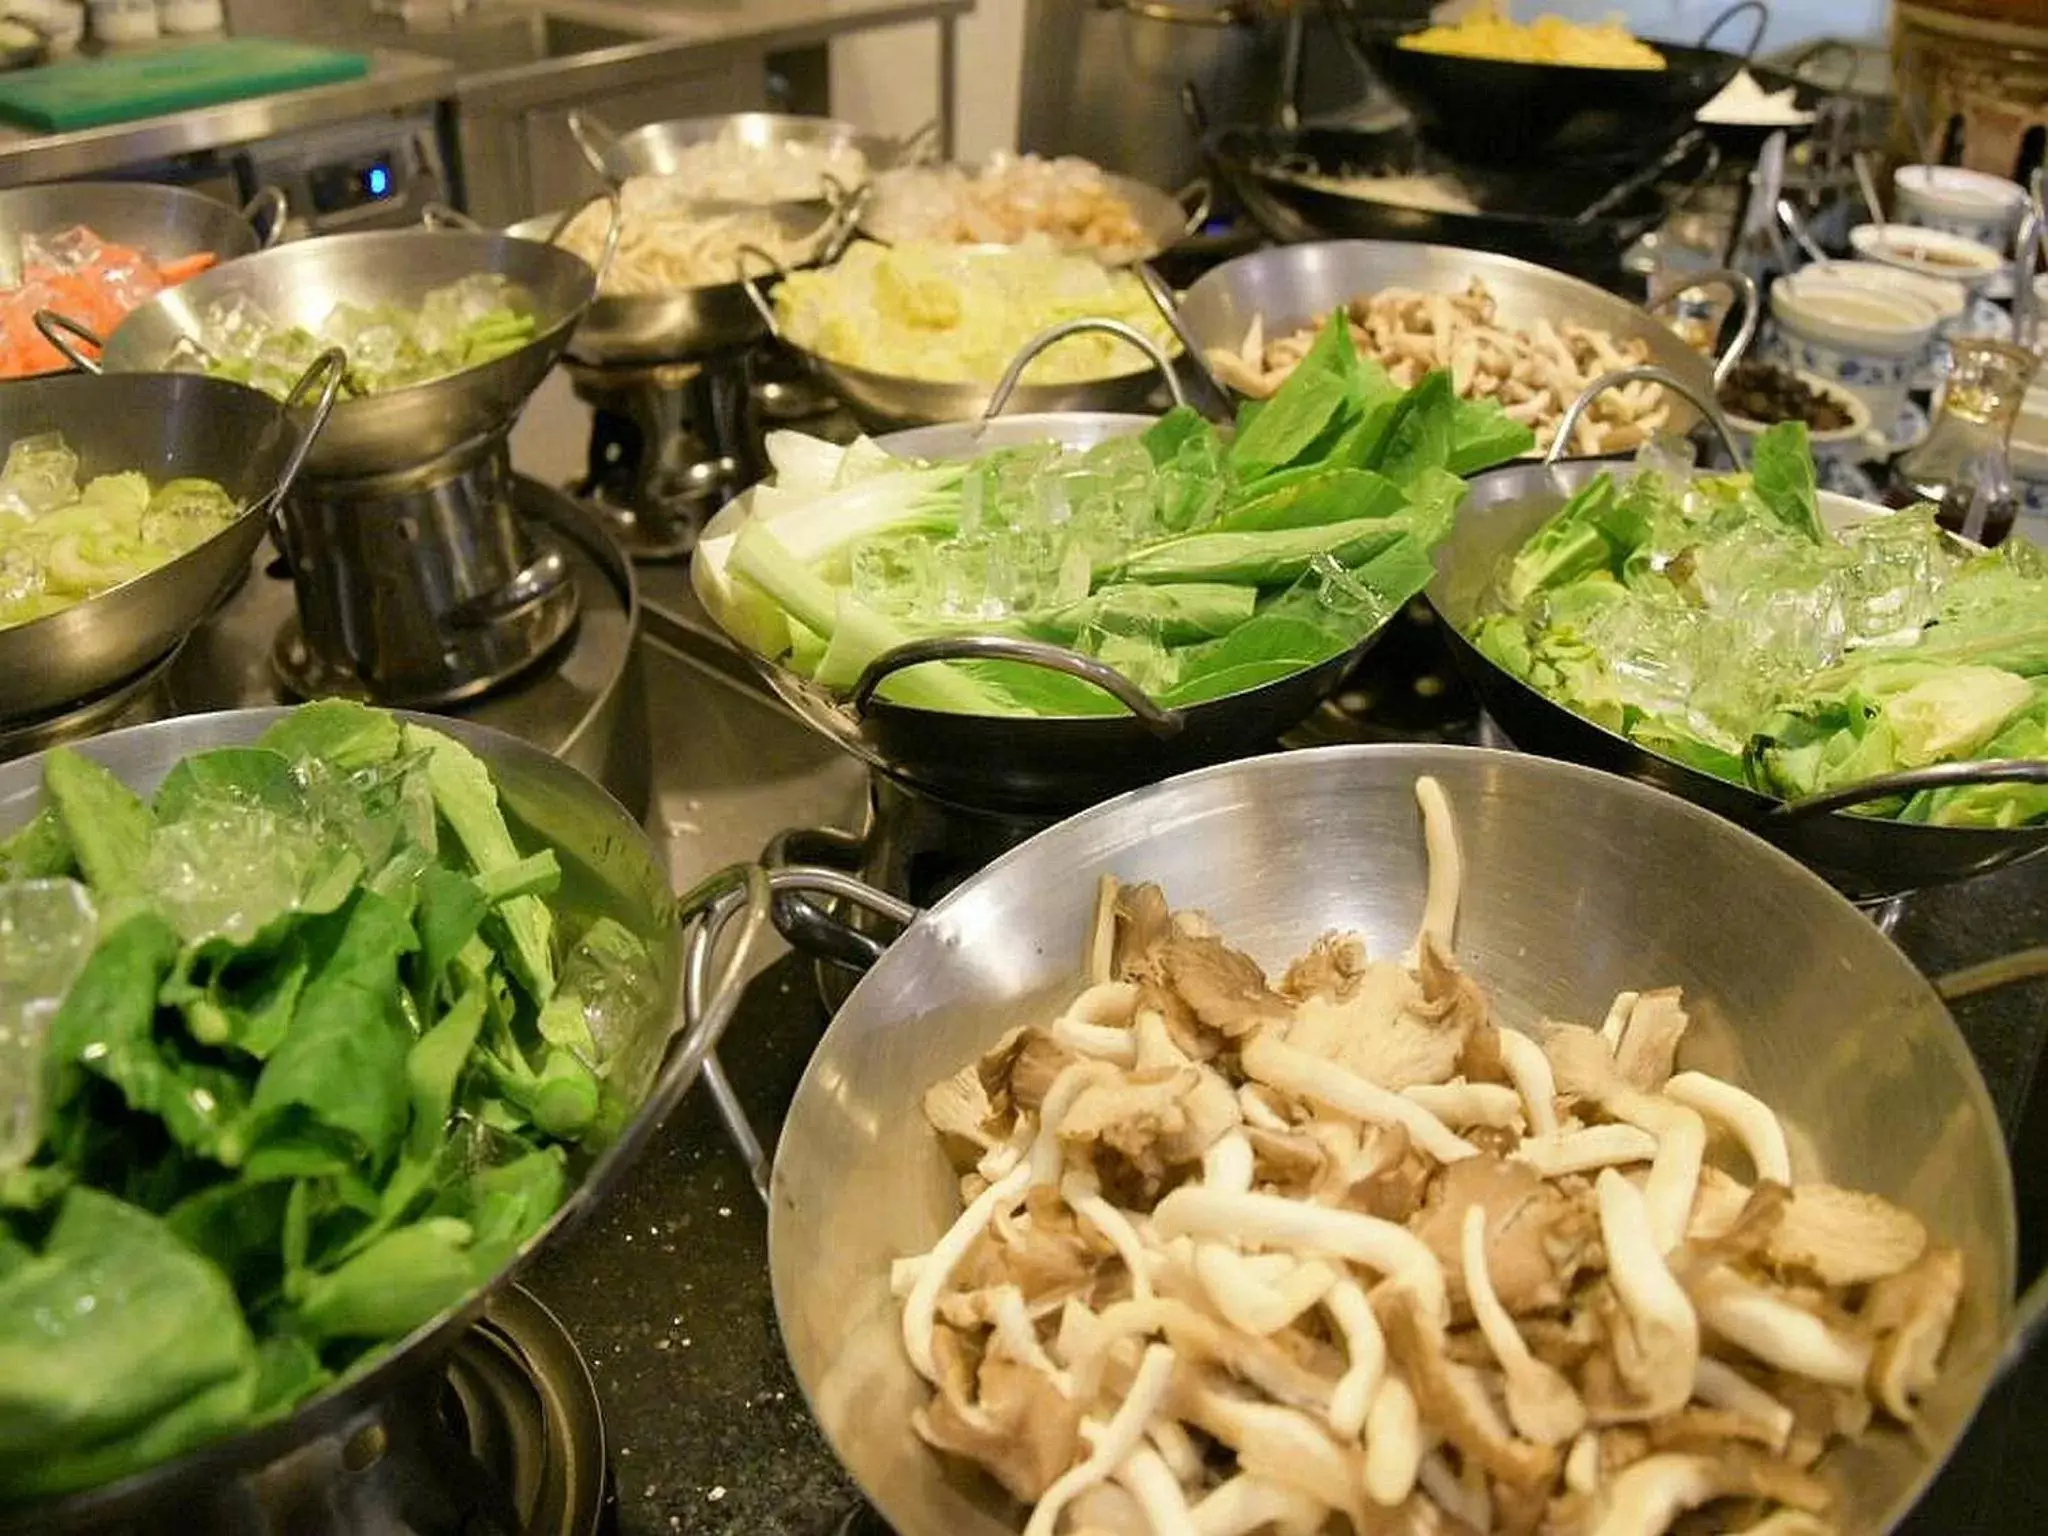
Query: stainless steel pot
x,y
608,860
1868,858
1165,217
1299,285
165,425
653,149
1578,884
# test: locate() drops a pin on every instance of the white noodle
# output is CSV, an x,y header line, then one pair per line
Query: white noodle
x,y
1533,1079
1748,1116
1122,1435
1321,1081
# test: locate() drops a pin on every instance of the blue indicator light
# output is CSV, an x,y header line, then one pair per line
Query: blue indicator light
x,y
378,181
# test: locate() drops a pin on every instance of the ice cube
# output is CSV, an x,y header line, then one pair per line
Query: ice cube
x,y
235,327
961,581
40,474
21,576
63,250
893,574
226,869
613,975
47,929
1141,658
1024,567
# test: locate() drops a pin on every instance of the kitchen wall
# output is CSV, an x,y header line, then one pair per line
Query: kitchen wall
x,y
888,80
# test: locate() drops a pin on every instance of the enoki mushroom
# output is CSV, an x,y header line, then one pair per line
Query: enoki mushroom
x,y
1339,1251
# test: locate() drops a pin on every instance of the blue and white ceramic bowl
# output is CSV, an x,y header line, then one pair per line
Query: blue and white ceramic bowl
x,y
1868,342
1951,301
1848,444
1977,207
1929,252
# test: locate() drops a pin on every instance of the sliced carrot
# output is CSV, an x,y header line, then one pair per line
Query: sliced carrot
x,y
182,267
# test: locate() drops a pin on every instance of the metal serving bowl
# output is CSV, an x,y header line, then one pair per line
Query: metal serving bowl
x,y
1866,857
1577,885
1299,285
614,870
164,425
300,283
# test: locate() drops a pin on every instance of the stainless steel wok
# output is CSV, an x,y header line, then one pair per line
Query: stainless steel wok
x,y
300,283
608,861
653,149
164,425
1868,858
162,222
1038,763
1578,884
1299,285
885,402
625,329
1165,218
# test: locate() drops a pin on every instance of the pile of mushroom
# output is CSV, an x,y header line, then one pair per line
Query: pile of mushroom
x,y
1343,1253
1535,373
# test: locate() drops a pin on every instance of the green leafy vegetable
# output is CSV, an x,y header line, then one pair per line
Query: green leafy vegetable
x,y
317,1072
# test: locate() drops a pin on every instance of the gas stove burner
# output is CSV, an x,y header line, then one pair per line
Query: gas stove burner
x,y
669,444
134,701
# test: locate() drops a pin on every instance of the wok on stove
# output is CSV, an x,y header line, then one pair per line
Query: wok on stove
x,y
1577,884
612,869
300,283
165,425
1866,857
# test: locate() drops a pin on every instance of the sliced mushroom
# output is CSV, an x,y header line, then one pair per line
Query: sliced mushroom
x,y
1450,1403
1778,1331
1246,1504
1649,1040
1332,969
1112,1445
1277,1445
1541,1404
958,1108
921,1306
1719,1384
1155,1124
1586,1150
1382,1030
1657,1354
1913,1311
1321,1082
1529,1070
1584,1069
1468,1104
1022,1430
1844,1236
1393,1444
1647,1498
1225,990
1537,1237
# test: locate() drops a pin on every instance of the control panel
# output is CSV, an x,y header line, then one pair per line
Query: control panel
x,y
372,173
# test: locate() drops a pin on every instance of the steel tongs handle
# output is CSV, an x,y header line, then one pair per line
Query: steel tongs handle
x,y
326,374
844,211
1014,374
1160,721
709,1004
1641,373
61,332
594,139
1742,287
752,287
917,147
1197,200
269,201
2001,770
1795,226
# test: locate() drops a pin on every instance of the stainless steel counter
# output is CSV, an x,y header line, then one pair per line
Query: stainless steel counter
x,y
397,80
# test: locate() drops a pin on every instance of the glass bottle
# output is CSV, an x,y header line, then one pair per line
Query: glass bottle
x,y
1963,466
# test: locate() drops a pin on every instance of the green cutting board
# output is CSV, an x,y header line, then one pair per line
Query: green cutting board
x,y
121,87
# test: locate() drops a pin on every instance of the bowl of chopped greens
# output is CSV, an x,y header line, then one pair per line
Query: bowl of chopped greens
x,y
1855,683
317,1023
128,506
446,332
1037,611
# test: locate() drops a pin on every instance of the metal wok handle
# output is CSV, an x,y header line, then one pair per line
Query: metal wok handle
x,y
708,1004
801,921
60,331
1007,385
271,201
1756,8
614,226
1032,653
323,375
2007,770
1197,200
1640,373
1742,287
1217,406
752,287
441,216
545,575
844,211
593,138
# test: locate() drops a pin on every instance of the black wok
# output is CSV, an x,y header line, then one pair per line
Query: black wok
x,y
1866,858
1503,112
1577,217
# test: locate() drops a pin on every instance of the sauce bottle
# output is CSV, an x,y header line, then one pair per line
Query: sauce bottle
x,y
1963,467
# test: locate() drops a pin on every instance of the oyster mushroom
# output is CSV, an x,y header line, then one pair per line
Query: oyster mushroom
x,y
1722,1386
1468,1104
1112,1443
1653,1366
1537,1236
1246,1504
1225,990
1586,1150
1022,1430
1913,1311
1843,1236
1584,1069
1541,1404
1529,1070
1748,1116
1648,1046
1647,1498
1393,1444
1779,1331
1331,969
1322,1082
1451,1401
